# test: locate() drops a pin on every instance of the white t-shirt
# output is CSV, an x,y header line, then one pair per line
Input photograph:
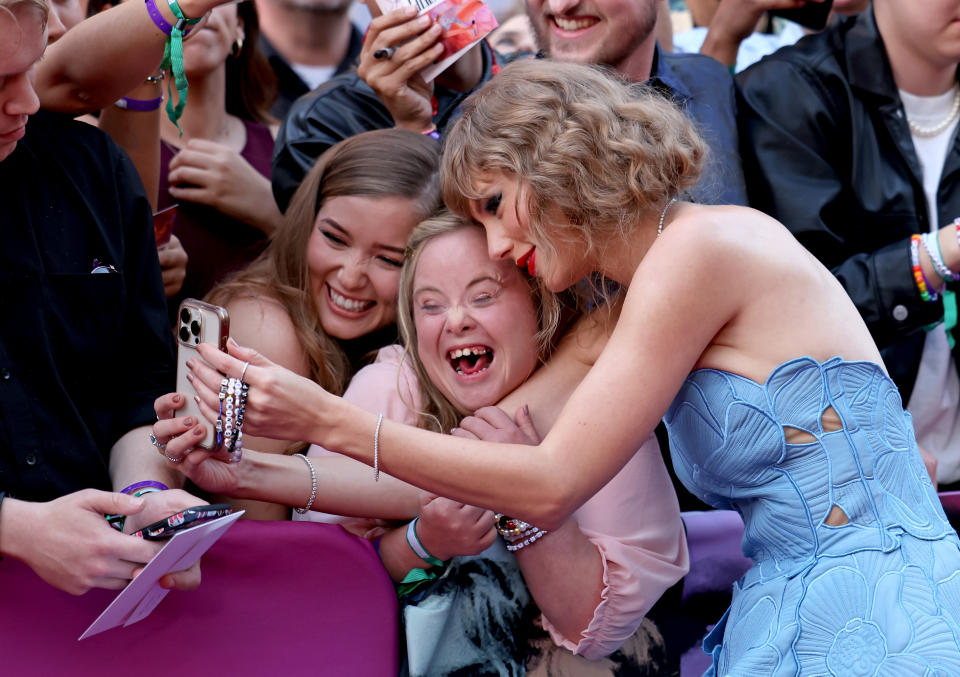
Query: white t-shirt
x,y
313,76
935,401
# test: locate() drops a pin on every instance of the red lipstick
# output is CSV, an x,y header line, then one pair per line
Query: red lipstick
x,y
528,260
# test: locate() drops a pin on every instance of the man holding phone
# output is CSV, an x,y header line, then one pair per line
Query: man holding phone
x,y
85,346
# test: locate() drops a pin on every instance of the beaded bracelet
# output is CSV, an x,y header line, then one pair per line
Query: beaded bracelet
x,y
229,421
931,243
509,527
918,276
241,412
520,545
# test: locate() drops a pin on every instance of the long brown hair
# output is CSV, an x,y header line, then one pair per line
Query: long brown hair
x,y
437,412
251,82
381,163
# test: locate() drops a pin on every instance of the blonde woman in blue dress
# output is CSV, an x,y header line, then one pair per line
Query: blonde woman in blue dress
x,y
771,387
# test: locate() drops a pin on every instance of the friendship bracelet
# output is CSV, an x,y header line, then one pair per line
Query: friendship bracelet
x,y
376,450
156,486
514,547
139,105
936,258
526,534
432,132
509,527
241,412
313,486
228,416
414,542
917,270
218,426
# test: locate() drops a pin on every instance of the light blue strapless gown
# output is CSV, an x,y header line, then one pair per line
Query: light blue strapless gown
x,y
877,596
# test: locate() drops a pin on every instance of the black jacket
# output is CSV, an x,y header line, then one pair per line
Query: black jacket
x,y
342,107
827,151
83,354
289,85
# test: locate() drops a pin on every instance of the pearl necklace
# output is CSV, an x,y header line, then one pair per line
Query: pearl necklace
x,y
933,130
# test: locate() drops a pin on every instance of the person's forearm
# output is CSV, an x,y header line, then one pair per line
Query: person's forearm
x,y
106,56
444,464
15,521
721,47
397,557
344,486
134,459
138,133
564,572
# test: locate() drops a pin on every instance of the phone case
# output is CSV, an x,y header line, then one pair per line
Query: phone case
x,y
185,519
198,322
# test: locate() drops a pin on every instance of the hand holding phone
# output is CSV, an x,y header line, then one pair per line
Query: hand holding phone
x,y
184,519
198,322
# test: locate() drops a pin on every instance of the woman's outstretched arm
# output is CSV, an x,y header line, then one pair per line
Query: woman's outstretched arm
x,y
653,348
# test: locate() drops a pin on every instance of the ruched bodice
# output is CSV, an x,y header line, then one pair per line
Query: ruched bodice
x,y
769,451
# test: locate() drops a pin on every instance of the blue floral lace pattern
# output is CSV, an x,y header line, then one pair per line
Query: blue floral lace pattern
x,y
876,595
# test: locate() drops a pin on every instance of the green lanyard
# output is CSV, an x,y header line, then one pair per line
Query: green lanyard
x,y
173,61
949,315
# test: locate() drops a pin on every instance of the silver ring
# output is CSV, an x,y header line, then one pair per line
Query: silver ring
x,y
155,442
244,370
172,459
384,54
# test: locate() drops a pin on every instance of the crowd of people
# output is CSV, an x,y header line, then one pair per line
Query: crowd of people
x,y
631,280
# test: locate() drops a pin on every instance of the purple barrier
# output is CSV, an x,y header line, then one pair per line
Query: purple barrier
x,y
277,598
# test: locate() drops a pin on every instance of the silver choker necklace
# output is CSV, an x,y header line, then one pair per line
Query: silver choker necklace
x,y
934,130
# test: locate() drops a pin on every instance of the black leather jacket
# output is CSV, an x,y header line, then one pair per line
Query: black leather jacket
x,y
827,151
342,107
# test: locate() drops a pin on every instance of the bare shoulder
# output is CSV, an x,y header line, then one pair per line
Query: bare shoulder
x,y
262,323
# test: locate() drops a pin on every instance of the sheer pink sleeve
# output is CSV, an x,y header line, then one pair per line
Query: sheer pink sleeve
x,y
634,521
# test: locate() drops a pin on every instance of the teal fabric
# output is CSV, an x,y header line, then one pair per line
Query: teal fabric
x,y
877,595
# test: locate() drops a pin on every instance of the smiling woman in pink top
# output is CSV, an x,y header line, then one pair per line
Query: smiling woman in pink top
x,y
324,293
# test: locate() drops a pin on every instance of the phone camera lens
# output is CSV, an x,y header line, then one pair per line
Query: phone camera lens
x,y
184,334
195,328
196,340
184,315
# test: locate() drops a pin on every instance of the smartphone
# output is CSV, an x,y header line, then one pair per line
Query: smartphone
x,y
198,322
812,15
163,224
179,521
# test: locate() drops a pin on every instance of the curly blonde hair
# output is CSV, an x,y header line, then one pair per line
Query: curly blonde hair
x,y
437,412
582,144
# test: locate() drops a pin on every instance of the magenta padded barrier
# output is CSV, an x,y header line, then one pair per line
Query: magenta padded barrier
x,y
277,598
